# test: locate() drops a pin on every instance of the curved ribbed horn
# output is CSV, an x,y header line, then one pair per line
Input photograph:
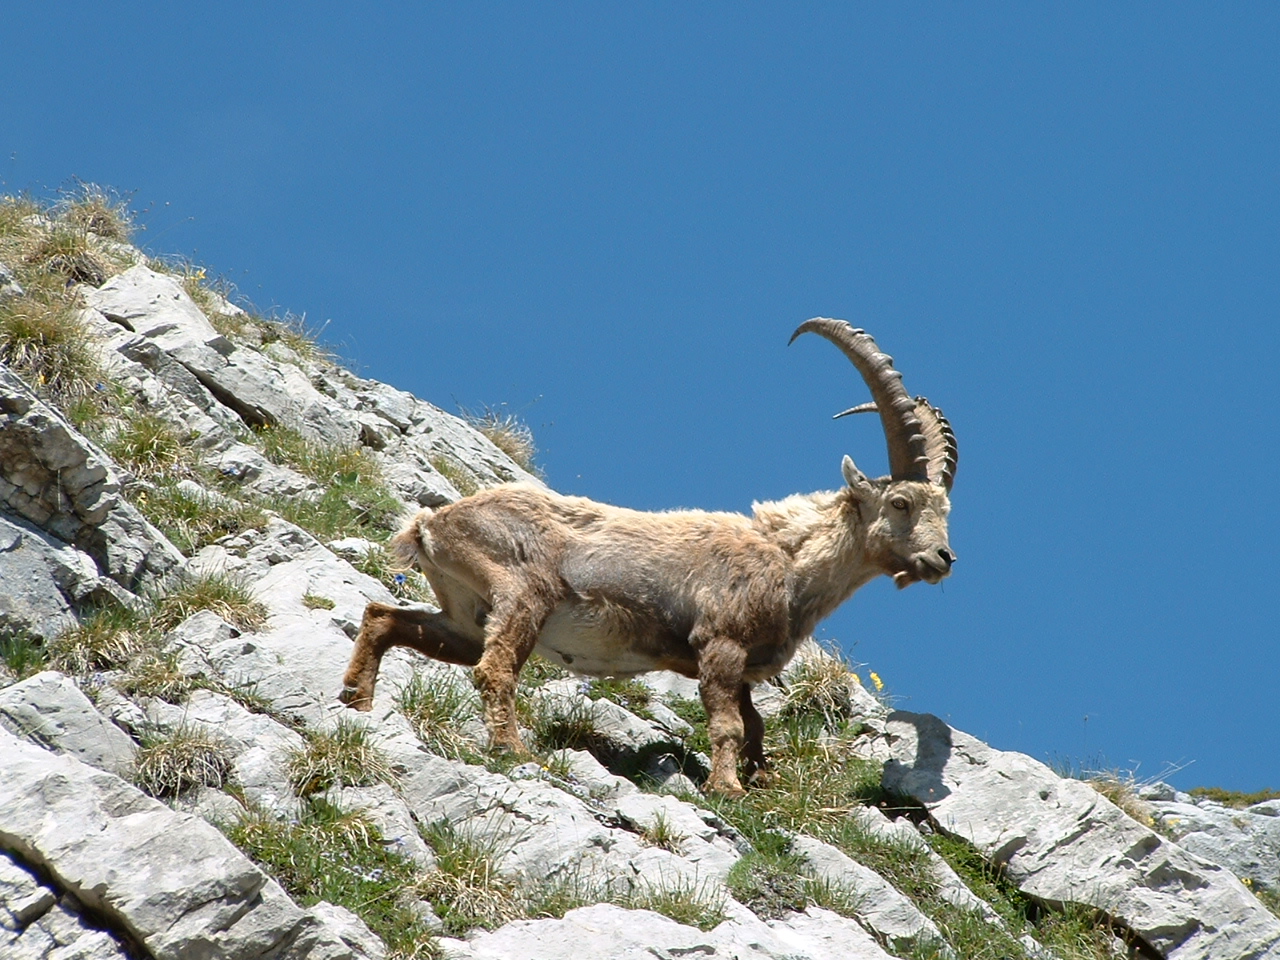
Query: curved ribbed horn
x,y
903,431
939,443
939,439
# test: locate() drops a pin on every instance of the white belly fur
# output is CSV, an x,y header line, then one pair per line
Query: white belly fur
x,y
585,642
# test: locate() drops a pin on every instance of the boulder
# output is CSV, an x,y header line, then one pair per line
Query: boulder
x,y
1062,842
167,880
605,930
49,710
62,483
1246,842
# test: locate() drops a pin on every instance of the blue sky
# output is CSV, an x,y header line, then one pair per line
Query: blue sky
x,y
1062,222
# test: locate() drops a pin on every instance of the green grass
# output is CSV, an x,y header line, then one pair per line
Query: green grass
x,y
156,675
43,340
700,905
449,467
227,595
771,882
1235,798
344,756
23,654
355,500
559,725
314,601
105,638
168,765
192,521
148,445
467,891
340,857
628,693
437,704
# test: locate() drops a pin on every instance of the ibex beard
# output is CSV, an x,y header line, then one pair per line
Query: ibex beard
x,y
720,597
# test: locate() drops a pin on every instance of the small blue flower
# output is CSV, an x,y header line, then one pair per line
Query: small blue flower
x,y
400,579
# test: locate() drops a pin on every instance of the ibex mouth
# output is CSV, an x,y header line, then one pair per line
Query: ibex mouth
x,y
917,569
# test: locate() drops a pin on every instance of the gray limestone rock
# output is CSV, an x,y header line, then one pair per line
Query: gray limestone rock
x,y
9,286
49,710
155,306
1061,842
169,880
57,480
605,930
881,908
1246,842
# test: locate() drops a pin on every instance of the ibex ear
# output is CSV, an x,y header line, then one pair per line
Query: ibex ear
x,y
854,477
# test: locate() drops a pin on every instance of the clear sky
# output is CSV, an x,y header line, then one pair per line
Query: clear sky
x,y
1061,220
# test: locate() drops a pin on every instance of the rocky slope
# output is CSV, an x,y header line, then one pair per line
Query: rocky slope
x,y
190,531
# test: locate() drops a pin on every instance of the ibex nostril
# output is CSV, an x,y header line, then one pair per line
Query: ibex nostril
x,y
947,556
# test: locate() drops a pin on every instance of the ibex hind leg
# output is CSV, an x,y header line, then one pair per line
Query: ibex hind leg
x,y
756,764
511,632
383,627
720,666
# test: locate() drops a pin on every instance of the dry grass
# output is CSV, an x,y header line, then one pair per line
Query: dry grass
x,y
187,757
344,756
227,595
508,433
43,340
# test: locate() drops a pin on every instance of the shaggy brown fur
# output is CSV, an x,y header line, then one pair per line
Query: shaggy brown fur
x,y
720,597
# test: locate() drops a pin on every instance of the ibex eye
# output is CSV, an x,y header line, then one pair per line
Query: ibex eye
x,y
899,503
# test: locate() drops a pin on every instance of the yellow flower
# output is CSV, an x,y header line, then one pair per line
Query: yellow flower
x,y
857,679
875,678
199,274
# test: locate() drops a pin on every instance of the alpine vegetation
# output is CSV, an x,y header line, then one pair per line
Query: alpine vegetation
x,y
198,519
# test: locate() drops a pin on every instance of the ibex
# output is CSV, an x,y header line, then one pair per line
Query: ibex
x,y
720,597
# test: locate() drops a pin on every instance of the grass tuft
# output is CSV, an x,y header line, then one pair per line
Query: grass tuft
x,y
344,756
466,890
508,433
1235,798
169,765
227,595
698,905
156,675
820,685
43,340
105,638
23,654
339,857
437,704
193,521
93,209
463,480
314,601
628,693
148,445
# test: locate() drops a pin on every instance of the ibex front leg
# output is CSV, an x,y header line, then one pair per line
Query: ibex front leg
x,y
511,633
720,666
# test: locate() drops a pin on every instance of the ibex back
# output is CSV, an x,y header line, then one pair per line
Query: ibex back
x,y
721,597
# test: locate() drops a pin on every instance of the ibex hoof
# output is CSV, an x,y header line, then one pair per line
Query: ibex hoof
x,y
730,791
352,698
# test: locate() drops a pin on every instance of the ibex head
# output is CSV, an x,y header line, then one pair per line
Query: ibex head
x,y
905,513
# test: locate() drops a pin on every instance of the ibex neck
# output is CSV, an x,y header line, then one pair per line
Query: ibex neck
x,y
824,536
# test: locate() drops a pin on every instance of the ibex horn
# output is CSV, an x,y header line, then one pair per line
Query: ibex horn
x,y
921,444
